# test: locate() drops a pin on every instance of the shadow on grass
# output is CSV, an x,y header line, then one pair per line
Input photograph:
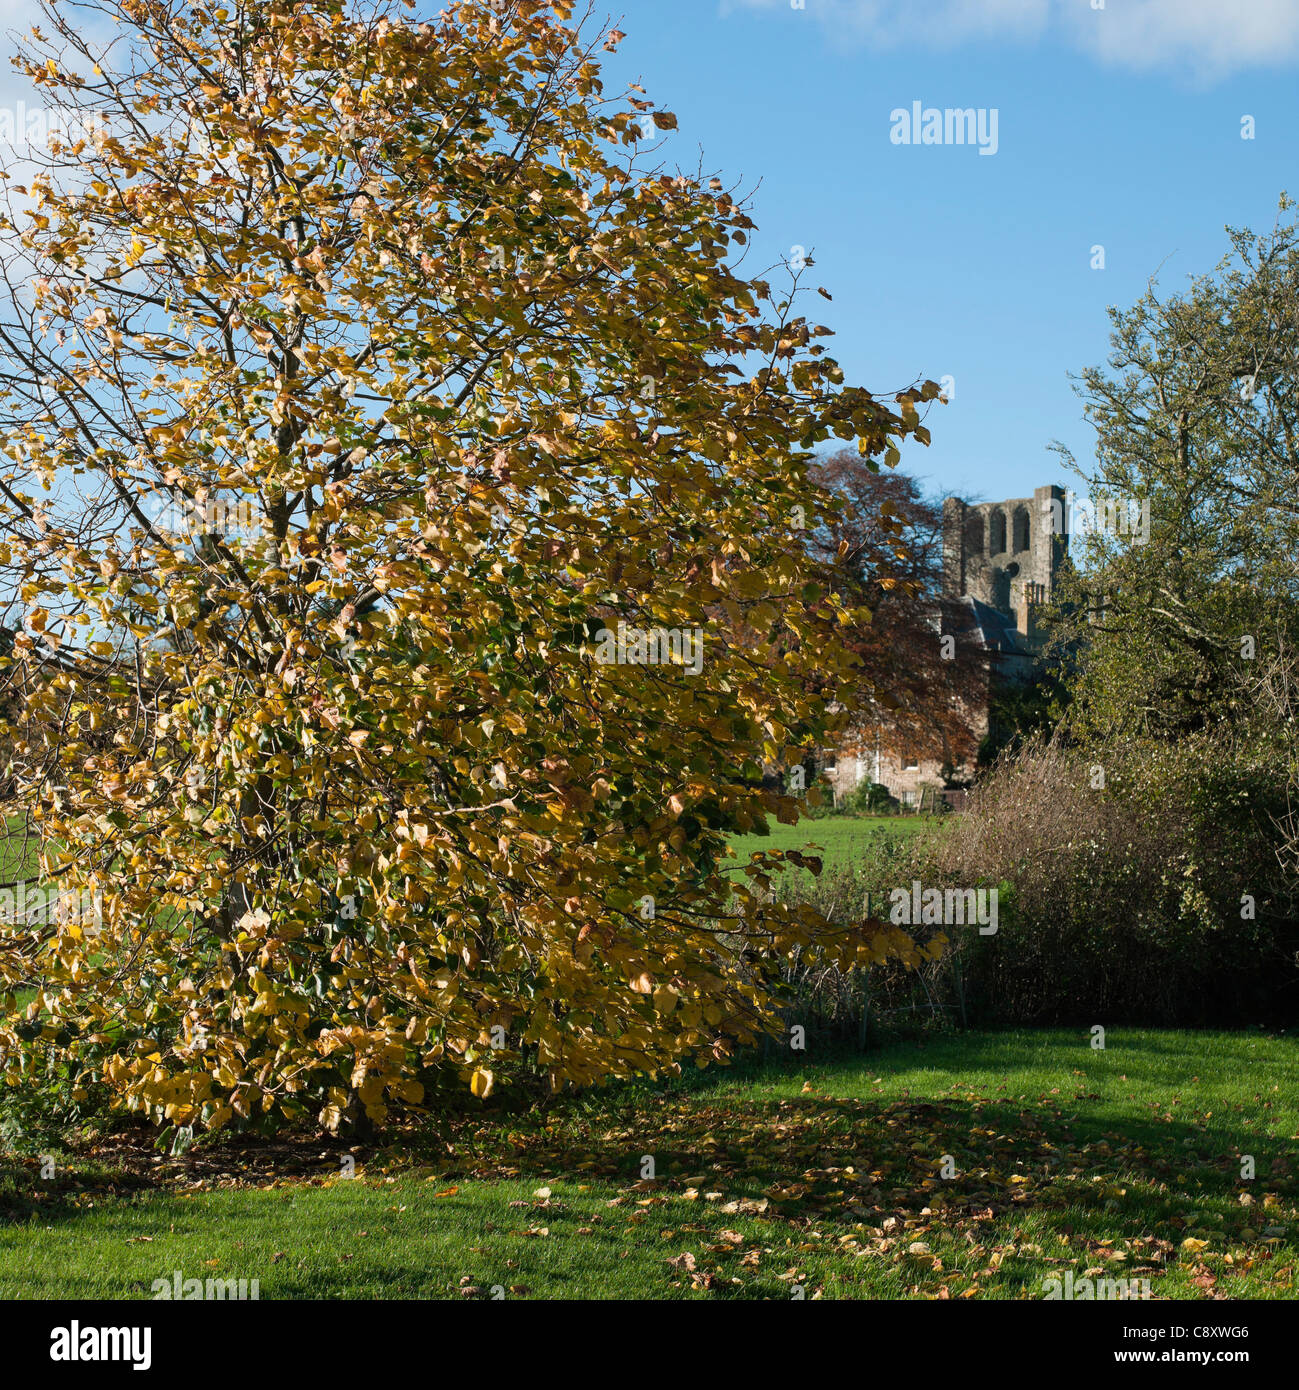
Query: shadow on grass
x,y
778,1166
1091,1163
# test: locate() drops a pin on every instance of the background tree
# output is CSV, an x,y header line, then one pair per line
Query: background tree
x,y
884,552
1198,415
1183,639
357,372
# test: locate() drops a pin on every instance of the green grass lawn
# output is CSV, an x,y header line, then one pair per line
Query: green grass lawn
x,y
837,839
823,1177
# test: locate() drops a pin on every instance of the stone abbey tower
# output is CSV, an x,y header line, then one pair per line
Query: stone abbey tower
x,y
1005,554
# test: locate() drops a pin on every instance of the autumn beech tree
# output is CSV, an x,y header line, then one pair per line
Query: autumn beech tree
x,y
358,374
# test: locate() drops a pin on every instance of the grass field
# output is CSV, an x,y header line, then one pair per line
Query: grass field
x,y
836,839
824,1178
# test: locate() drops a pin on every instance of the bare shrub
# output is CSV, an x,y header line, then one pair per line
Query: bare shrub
x,y
1123,883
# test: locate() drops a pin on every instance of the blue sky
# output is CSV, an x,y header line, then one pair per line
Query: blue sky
x,y
1119,127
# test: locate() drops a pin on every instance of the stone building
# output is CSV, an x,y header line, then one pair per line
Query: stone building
x,y
1000,561
1005,556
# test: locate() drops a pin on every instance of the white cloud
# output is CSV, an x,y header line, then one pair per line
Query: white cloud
x,y
892,23
1208,38
1211,37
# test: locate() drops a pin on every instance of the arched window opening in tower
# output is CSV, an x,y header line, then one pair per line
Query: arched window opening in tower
x,y
997,540
1021,528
